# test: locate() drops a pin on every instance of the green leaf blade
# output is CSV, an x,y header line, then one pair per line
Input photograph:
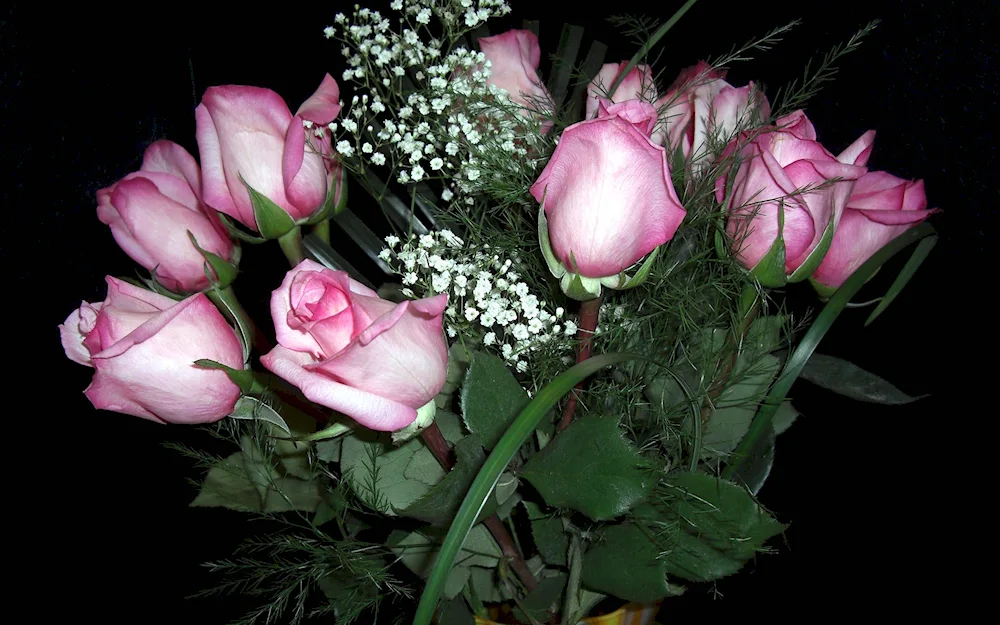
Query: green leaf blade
x,y
590,467
491,398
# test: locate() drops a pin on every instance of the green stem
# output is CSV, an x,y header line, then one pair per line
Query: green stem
x,y
291,245
646,47
798,358
322,231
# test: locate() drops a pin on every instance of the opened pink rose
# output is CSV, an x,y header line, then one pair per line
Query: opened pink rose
x,y
250,133
637,85
772,169
881,208
151,212
347,349
607,194
514,57
701,109
143,347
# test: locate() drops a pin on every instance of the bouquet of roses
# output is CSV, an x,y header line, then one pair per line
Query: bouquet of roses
x,y
558,394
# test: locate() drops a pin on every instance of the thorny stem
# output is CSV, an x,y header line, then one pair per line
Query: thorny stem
x,y
436,442
585,332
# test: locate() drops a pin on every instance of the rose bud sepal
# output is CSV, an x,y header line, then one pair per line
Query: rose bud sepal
x,y
220,272
579,287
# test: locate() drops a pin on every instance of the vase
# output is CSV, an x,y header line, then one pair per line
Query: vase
x,y
631,614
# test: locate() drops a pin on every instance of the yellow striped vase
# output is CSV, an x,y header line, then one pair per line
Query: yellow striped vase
x,y
631,614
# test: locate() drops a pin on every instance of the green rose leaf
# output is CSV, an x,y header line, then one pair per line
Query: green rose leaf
x,y
850,380
784,417
244,482
549,534
375,470
708,528
491,398
543,600
439,505
418,551
590,467
737,405
626,564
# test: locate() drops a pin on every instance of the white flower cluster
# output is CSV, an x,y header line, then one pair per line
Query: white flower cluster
x,y
485,295
423,108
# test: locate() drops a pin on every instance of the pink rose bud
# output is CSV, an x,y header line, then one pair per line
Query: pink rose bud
x,y
881,208
345,348
514,57
250,132
701,110
143,346
638,85
607,199
151,212
766,184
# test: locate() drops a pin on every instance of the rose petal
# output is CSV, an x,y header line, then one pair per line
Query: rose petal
x,y
72,338
323,106
170,158
368,409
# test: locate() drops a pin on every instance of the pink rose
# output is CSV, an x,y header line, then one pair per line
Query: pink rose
x,y
607,195
638,85
773,168
250,132
151,212
347,349
881,208
514,57
701,110
143,346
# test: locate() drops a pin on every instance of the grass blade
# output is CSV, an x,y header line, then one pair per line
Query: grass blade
x,y
919,255
797,360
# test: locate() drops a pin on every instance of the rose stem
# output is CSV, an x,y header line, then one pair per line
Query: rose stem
x,y
585,332
322,230
436,442
749,306
291,245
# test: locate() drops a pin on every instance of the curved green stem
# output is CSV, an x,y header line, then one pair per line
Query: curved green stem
x,y
798,358
322,231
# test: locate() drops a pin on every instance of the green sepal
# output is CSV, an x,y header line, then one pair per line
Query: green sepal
x,y
580,287
425,417
243,378
816,256
770,269
253,409
640,275
224,271
824,292
556,268
237,233
272,220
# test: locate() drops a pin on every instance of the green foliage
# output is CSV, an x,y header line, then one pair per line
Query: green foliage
x,y
590,467
543,600
375,471
439,504
784,417
419,552
625,563
549,534
705,528
848,379
736,406
272,221
491,398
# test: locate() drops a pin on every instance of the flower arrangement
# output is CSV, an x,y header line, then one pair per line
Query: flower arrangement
x,y
559,399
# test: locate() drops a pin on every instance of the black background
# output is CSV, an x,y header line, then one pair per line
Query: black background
x,y
871,493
